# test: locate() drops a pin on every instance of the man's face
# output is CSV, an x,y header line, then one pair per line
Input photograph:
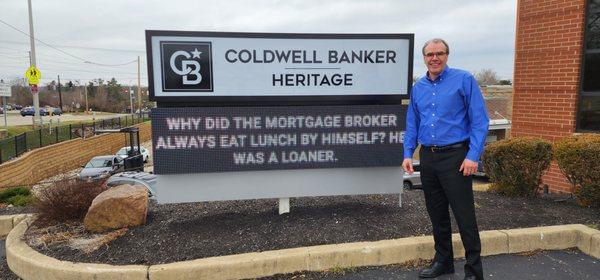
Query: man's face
x,y
435,58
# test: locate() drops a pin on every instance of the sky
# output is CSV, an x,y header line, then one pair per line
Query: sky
x,y
481,33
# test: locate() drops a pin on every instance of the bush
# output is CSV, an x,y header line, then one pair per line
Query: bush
x,y
7,194
67,200
515,166
578,158
21,200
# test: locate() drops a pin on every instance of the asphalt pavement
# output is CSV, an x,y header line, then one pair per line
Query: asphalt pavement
x,y
547,265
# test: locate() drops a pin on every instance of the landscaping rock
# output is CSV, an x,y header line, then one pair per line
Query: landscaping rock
x,y
118,207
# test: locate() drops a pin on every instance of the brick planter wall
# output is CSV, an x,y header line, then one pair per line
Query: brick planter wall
x,y
49,161
548,48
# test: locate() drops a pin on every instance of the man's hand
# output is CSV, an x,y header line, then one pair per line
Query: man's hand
x,y
407,165
468,167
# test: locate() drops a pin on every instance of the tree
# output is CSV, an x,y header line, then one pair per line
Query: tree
x,y
486,77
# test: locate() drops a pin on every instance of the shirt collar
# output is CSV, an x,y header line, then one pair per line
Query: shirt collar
x,y
441,76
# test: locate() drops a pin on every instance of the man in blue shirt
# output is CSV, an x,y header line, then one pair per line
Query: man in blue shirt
x,y
448,117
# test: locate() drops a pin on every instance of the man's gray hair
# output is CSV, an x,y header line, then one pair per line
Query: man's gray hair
x,y
435,41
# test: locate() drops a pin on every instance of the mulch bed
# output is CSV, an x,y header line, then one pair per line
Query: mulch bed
x,y
187,231
13,210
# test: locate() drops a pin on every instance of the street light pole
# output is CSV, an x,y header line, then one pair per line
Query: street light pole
x,y
139,89
36,97
130,99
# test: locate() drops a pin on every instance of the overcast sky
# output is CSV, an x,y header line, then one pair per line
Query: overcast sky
x,y
481,33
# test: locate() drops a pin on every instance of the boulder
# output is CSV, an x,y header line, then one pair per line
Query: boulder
x,y
118,207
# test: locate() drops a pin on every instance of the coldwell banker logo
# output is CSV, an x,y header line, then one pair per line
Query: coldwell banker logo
x,y
186,66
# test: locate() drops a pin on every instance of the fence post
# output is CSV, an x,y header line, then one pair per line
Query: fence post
x,y
0,153
40,137
70,132
82,131
57,128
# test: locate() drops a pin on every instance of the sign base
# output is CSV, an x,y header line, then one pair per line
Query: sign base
x,y
278,184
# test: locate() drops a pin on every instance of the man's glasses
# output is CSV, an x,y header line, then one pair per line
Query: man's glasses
x,y
432,54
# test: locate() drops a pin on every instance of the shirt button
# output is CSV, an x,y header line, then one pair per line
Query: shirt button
x,y
433,115
431,124
432,136
432,104
434,93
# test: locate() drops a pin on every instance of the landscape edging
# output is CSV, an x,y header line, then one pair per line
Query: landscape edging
x,y
8,222
29,264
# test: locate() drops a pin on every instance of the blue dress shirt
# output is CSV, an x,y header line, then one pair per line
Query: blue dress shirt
x,y
448,110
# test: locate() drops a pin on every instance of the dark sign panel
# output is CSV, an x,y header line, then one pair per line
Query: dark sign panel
x,y
218,139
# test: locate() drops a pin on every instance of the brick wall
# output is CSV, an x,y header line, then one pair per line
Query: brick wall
x,y
48,161
549,40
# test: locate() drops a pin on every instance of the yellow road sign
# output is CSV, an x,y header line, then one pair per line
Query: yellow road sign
x,y
33,75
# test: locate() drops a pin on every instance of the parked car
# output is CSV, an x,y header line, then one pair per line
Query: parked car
x,y
17,107
411,181
55,111
124,152
145,179
1,110
27,111
101,166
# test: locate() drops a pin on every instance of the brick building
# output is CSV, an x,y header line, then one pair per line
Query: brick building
x,y
557,73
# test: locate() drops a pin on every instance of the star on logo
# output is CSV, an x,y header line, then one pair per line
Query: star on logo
x,y
196,53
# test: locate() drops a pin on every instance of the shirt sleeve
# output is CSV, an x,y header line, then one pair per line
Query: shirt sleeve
x,y
412,125
478,118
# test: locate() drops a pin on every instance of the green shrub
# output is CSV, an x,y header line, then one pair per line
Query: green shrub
x,y
67,200
21,200
578,158
7,194
515,166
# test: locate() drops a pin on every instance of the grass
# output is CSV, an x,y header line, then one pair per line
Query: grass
x,y
97,113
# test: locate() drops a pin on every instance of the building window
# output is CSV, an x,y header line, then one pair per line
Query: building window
x,y
588,118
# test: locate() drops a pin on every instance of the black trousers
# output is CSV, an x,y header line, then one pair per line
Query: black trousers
x,y
443,185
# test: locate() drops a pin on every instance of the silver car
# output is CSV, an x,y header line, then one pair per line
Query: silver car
x,y
101,166
145,179
412,181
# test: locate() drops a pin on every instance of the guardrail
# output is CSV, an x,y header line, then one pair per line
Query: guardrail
x,y
17,145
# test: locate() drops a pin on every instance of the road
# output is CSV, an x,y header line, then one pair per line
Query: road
x,y
15,118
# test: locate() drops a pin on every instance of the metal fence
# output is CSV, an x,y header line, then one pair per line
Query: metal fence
x,y
15,146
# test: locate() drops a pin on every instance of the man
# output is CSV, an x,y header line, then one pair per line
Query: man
x,y
447,116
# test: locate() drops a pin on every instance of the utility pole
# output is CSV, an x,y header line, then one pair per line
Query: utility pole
x,y
36,97
59,94
139,89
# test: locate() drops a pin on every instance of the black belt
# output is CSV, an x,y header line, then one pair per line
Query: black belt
x,y
438,149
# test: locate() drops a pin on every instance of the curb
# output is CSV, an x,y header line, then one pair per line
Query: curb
x,y
29,264
8,222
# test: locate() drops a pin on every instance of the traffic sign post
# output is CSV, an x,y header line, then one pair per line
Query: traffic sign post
x,y
5,92
33,75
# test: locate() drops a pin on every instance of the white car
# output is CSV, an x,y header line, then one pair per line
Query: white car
x,y
123,153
